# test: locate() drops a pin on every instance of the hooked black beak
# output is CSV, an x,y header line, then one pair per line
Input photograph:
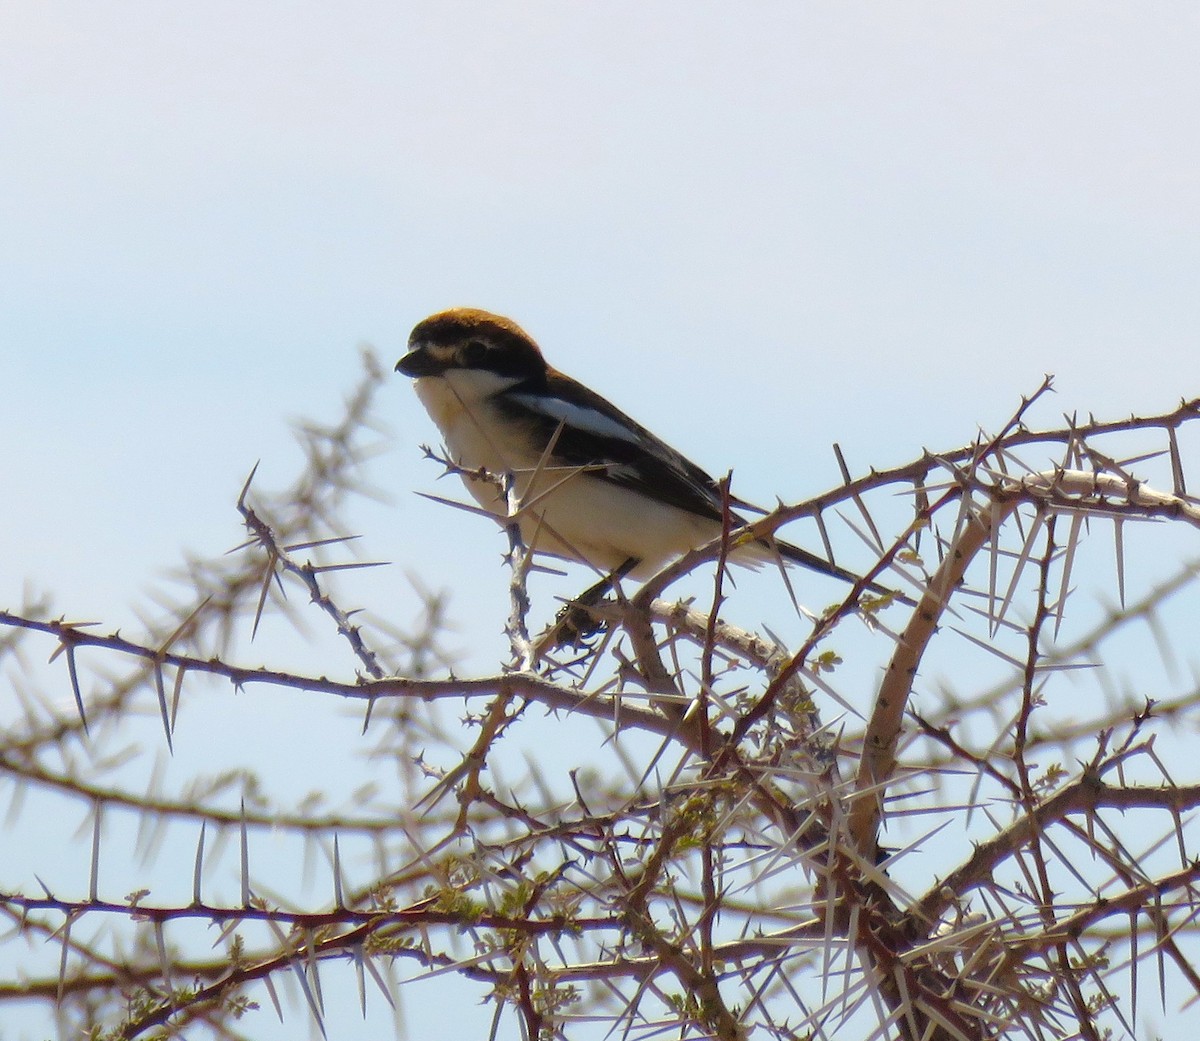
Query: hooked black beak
x,y
417,363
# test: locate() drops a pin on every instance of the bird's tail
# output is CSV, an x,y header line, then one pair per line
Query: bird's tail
x,y
773,549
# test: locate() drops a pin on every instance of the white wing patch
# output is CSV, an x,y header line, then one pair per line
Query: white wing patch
x,y
578,416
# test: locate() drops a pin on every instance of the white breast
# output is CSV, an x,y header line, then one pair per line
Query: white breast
x,y
458,404
569,514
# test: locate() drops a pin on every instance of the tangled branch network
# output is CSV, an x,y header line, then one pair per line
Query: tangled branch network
x,y
964,809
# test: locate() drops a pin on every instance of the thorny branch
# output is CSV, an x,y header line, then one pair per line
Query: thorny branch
x,y
766,837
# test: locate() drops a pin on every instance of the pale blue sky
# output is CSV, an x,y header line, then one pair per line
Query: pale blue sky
x,y
840,220
871,223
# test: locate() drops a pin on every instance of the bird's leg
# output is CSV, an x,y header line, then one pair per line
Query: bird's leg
x,y
576,621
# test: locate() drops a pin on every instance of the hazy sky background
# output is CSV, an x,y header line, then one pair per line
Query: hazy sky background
x,y
757,228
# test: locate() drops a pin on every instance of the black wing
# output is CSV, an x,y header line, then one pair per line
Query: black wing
x,y
595,433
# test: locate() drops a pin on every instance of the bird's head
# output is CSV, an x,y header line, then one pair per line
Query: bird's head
x,y
468,338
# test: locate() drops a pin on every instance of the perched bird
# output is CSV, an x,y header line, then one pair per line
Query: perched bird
x,y
596,486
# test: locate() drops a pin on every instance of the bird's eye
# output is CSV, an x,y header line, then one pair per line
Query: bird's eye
x,y
473,354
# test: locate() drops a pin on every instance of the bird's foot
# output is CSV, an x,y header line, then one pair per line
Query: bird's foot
x,y
578,622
